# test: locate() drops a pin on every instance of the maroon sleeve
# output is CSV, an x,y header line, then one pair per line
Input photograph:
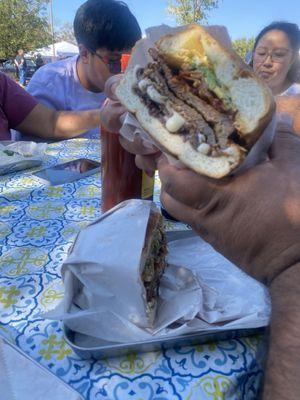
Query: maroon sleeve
x,y
15,102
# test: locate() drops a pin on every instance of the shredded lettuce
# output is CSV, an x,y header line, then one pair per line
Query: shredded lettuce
x,y
211,80
209,76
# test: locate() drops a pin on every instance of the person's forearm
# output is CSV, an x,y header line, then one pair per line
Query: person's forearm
x,y
282,377
47,123
69,124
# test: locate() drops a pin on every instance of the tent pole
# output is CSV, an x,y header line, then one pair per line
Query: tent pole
x,y
52,28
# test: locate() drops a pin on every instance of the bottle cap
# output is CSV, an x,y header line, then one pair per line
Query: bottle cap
x,y
124,61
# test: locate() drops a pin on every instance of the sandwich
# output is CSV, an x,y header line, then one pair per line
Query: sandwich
x,y
198,101
153,263
115,268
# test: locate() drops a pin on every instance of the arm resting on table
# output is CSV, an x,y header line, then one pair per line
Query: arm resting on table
x,y
50,124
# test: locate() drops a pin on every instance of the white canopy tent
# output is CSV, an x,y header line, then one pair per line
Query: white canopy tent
x,y
61,50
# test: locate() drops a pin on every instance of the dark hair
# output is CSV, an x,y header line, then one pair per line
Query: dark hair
x,y
293,33
106,23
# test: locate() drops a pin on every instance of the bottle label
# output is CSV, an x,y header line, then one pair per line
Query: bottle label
x,y
147,186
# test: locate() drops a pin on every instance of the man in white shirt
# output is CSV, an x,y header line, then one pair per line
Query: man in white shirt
x,y
104,29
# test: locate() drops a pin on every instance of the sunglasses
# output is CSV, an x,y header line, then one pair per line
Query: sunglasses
x,y
114,65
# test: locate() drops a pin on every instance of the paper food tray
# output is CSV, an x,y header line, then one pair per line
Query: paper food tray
x,y
99,349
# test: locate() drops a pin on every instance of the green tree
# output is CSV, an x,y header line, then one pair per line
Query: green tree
x,y
191,11
65,32
243,45
23,24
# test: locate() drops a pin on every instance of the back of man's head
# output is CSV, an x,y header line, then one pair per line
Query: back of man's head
x,y
106,24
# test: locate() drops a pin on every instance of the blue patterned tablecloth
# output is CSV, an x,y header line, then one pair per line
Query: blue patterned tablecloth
x,y
38,224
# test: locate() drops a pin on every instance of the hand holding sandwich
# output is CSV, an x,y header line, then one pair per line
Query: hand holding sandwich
x,y
198,101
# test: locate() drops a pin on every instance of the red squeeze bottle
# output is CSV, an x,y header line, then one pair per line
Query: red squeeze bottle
x,y
121,179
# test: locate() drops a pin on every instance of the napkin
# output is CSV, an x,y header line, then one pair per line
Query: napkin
x,y
21,378
20,155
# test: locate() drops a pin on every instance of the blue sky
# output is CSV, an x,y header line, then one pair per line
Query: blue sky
x,y
241,17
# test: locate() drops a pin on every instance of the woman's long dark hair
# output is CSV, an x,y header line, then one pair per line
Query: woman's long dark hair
x,y
293,33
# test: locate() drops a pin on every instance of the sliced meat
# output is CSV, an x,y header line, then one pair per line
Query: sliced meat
x,y
156,110
222,123
199,87
155,265
223,126
195,121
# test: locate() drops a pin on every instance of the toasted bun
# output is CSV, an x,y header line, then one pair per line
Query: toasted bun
x,y
250,95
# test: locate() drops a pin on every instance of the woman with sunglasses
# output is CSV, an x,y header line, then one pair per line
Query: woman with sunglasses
x,y
276,60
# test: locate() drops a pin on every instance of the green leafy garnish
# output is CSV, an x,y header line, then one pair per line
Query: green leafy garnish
x,y
9,152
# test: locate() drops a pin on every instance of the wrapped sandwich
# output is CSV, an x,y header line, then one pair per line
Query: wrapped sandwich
x,y
198,101
113,283
115,266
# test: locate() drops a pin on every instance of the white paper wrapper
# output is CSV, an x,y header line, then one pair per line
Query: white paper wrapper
x,y
131,127
95,261
25,155
200,290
